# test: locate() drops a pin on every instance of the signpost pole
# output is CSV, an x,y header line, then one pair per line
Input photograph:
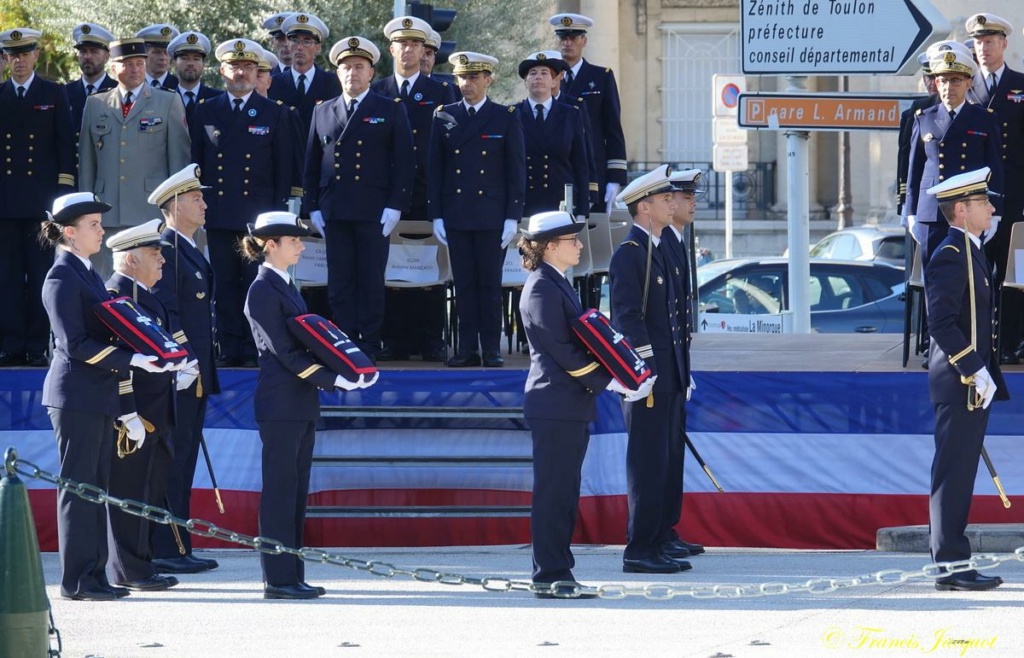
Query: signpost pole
x,y
728,214
798,220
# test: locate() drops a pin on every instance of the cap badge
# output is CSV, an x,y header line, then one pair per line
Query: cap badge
x,y
86,29
407,23
566,21
197,174
949,58
165,31
192,39
302,18
279,19
15,35
353,42
541,57
239,45
981,19
463,60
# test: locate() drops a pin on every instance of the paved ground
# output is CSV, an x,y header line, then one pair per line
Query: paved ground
x,y
220,613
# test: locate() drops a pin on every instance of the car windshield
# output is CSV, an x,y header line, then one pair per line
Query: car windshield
x,y
707,272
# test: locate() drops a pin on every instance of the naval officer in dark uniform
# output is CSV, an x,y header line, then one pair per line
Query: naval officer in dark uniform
x,y
949,138
87,388
304,84
963,373
476,182
142,474
92,49
244,146
414,317
561,388
594,86
187,290
286,398
189,51
640,271
158,61
907,129
359,172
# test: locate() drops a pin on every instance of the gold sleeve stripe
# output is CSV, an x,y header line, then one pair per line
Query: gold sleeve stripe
x,y
617,164
645,351
953,247
66,179
593,187
180,337
585,370
309,371
104,353
956,357
125,387
296,191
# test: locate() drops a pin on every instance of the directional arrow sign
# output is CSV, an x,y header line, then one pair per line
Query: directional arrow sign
x,y
827,37
829,112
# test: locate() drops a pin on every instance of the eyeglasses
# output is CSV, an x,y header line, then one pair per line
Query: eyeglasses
x,y
952,82
302,41
571,238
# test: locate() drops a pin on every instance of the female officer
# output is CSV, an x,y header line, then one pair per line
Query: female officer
x,y
563,382
87,387
286,399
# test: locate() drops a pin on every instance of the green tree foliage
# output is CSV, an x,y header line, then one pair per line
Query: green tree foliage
x,y
55,61
506,29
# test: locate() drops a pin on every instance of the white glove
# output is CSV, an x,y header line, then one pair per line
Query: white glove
x,y
346,385
136,431
615,387
509,232
317,218
187,377
691,388
918,230
148,363
367,384
611,190
389,219
906,221
985,386
185,364
643,391
439,232
991,233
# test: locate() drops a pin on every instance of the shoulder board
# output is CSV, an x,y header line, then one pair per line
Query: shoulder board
x,y
632,242
919,111
398,100
511,109
280,102
953,247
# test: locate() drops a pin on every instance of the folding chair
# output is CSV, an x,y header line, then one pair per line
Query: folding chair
x,y
1012,279
600,257
913,295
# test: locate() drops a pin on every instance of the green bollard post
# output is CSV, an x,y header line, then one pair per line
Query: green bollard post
x,y
24,608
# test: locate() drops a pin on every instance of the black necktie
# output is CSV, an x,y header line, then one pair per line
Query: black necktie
x,y
21,92
952,114
89,89
540,113
128,99
155,84
238,105
351,108
300,91
568,80
191,101
992,84
472,111
405,89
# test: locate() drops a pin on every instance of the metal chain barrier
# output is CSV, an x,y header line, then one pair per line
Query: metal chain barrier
x,y
561,589
56,645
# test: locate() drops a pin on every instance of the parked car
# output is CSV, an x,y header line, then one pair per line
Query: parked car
x,y
845,296
886,244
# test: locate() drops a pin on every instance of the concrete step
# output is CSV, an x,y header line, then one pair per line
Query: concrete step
x,y
985,538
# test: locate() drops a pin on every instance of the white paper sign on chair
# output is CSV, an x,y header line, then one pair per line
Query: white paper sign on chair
x,y
414,263
512,272
312,267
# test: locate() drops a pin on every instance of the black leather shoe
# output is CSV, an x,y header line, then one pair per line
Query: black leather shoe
x,y
1009,358
288,592
226,362
8,360
151,584
493,359
656,564
695,549
433,354
119,592
94,594
566,591
684,565
36,360
464,360
392,354
969,581
675,549
320,591
183,564
207,563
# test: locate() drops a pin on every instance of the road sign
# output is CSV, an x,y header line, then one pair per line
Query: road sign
x,y
730,157
830,112
735,323
727,131
725,95
827,37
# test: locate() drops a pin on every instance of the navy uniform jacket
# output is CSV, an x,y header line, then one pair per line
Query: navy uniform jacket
x,y
357,167
939,149
38,147
476,178
903,146
186,290
556,154
324,87
245,158
287,386
653,330
154,392
680,264
564,379
170,82
425,96
580,105
1007,101
949,321
205,93
596,86
88,372
76,96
